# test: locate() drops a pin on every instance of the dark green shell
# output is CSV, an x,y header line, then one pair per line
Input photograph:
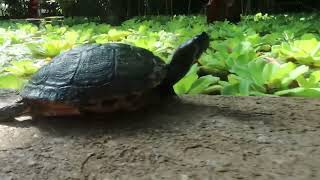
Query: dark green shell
x,y
94,72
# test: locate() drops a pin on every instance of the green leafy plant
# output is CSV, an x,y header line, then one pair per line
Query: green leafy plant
x,y
9,81
306,51
50,48
263,55
17,73
22,68
192,84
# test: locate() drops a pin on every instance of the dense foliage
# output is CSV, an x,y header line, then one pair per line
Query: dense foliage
x,y
262,55
132,7
14,8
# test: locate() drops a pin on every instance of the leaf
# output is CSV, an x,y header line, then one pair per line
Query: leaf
x,y
244,87
9,81
101,39
71,37
293,75
312,82
282,71
268,70
315,78
214,89
214,61
258,93
193,70
302,92
256,71
50,48
306,51
2,40
22,68
201,84
303,82
55,47
308,36
117,35
231,89
183,86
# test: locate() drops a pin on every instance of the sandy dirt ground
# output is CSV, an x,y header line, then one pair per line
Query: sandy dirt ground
x,y
195,138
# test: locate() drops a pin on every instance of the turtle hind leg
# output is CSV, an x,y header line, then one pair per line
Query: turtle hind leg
x,y
11,105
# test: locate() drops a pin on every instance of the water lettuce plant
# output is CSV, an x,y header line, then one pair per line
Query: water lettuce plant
x,y
265,55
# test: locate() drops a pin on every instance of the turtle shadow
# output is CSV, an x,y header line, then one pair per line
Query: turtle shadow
x,y
161,117
170,115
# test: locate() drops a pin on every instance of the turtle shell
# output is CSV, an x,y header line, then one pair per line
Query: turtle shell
x,y
95,71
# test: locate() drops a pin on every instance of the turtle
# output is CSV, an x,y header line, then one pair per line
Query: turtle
x,y
102,78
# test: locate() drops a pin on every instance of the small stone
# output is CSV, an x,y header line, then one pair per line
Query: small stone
x,y
184,177
263,140
6,170
31,163
211,163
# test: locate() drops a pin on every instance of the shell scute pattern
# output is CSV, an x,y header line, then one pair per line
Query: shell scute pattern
x,y
94,72
96,67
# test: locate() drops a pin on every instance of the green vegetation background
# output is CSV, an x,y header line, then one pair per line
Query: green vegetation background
x,y
262,55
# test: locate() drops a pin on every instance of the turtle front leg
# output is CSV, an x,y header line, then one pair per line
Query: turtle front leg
x,y
11,105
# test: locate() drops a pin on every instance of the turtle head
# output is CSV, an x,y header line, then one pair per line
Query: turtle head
x,y
184,56
193,47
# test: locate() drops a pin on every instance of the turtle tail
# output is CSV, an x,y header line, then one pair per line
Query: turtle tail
x,y
183,58
11,105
